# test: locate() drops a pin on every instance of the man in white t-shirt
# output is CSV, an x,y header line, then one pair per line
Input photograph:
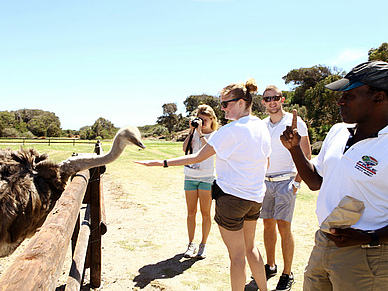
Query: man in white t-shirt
x,y
282,184
353,162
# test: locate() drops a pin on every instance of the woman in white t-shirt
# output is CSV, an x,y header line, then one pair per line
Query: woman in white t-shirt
x,y
199,178
242,148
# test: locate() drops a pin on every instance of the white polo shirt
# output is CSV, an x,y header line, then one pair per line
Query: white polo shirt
x,y
362,172
242,148
280,160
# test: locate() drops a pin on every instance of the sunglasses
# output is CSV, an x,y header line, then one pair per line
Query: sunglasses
x,y
224,104
272,98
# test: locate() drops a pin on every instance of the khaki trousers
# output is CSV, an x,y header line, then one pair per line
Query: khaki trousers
x,y
345,269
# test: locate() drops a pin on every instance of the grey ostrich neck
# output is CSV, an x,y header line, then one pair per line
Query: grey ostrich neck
x,y
123,138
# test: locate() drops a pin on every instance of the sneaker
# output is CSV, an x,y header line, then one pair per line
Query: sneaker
x,y
201,251
270,273
191,249
285,282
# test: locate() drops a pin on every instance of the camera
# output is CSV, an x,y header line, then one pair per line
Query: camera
x,y
195,122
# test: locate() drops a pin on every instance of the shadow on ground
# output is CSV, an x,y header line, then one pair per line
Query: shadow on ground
x,y
163,270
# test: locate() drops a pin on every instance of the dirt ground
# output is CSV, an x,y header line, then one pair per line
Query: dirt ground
x,y
143,247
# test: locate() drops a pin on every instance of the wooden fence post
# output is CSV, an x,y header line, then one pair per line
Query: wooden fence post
x,y
97,214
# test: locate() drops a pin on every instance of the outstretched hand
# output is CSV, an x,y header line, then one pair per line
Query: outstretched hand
x,y
348,237
290,136
150,163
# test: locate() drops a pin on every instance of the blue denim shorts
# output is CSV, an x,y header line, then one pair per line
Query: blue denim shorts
x,y
191,185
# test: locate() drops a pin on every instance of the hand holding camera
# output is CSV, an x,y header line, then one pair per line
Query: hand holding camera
x,y
196,122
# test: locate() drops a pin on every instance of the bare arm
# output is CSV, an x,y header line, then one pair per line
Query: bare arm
x,y
206,152
306,149
292,141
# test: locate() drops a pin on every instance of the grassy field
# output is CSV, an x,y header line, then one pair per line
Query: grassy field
x,y
152,201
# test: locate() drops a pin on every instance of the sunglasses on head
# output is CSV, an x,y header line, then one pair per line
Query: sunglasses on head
x,y
272,98
224,104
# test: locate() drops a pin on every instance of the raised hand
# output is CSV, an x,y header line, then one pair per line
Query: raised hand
x,y
290,136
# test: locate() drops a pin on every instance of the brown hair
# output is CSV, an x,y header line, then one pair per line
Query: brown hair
x,y
241,90
209,112
273,88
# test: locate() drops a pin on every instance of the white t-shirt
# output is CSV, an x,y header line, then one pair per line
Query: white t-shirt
x,y
204,169
360,172
280,160
242,148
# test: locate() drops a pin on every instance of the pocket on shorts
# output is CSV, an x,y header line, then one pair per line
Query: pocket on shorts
x,y
377,261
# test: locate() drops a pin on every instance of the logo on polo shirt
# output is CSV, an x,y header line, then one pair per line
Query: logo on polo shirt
x,y
366,165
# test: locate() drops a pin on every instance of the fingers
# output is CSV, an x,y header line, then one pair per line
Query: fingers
x,y
147,163
294,123
288,133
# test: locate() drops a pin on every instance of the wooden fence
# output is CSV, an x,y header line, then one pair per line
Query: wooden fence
x,y
48,141
40,265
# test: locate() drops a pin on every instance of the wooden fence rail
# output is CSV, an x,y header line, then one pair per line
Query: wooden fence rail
x,y
40,265
48,141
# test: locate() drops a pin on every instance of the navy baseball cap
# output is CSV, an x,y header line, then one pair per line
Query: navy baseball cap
x,y
369,73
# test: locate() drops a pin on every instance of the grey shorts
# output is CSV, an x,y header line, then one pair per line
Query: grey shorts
x,y
231,211
279,200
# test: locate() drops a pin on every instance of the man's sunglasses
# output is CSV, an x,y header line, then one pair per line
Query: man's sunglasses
x,y
224,104
272,98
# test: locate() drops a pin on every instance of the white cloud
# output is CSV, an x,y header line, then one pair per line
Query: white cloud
x,y
348,56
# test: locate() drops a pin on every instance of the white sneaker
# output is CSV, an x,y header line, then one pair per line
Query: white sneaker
x,y
190,252
201,251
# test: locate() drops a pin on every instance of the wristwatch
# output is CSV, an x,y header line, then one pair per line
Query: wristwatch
x,y
297,185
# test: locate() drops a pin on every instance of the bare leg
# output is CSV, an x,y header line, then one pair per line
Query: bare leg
x,y
254,258
287,244
191,202
270,238
234,241
205,202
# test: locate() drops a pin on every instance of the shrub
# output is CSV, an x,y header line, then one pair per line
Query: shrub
x,y
10,132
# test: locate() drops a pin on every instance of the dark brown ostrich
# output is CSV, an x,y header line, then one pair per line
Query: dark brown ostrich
x,y
30,184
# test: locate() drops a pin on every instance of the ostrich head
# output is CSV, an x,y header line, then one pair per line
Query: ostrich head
x,y
125,136
30,185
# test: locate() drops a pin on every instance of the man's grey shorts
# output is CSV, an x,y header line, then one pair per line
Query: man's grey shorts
x,y
279,200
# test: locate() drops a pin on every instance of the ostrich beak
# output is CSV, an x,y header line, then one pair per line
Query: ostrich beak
x,y
140,145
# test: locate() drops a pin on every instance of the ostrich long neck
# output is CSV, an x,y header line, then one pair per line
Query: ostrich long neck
x,y
80,163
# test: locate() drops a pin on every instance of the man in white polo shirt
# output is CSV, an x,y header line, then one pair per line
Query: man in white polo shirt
x,y
353,161
282,184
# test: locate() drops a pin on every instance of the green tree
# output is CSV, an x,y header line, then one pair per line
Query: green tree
x,y
193,101
37,126
102,128
169,118
379,54
85,132
258,108
7,120
323,112
38,122
153,130
10,132
306,78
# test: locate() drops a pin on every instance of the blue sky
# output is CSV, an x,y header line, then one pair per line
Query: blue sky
x,y
122,60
